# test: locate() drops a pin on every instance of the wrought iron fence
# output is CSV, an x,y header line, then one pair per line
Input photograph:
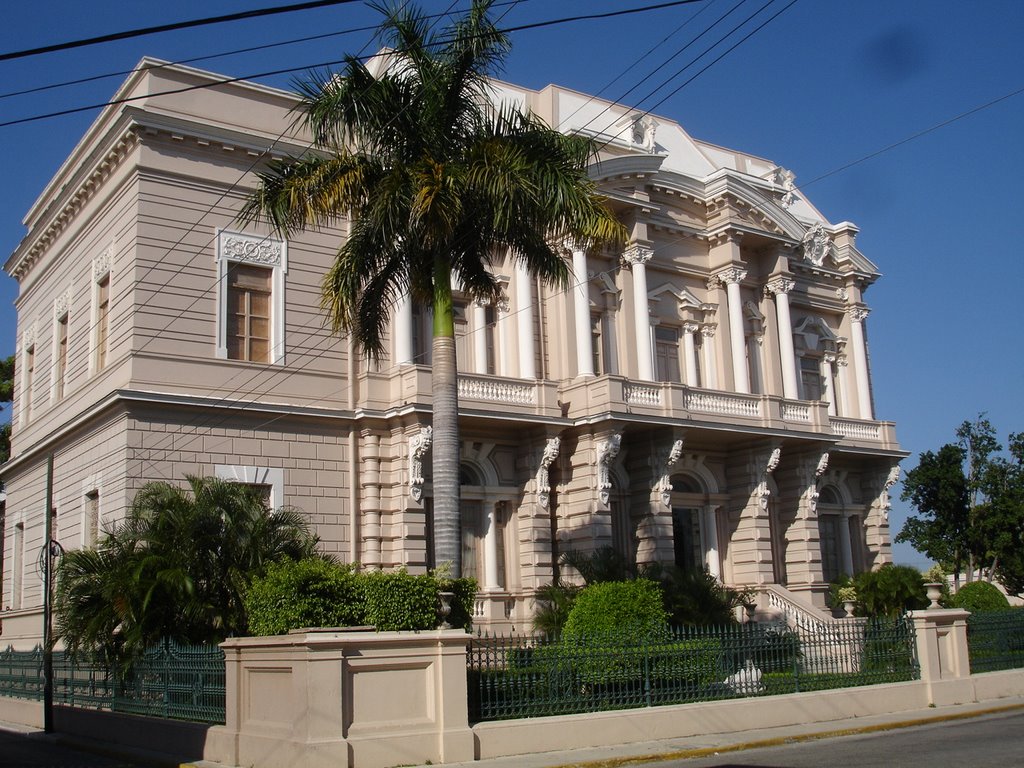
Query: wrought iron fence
x,y
180,682
995,640
519,676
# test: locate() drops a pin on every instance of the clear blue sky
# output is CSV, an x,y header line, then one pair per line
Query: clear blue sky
x,y
824,84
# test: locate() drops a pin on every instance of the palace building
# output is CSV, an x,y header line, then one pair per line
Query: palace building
x,y
701,397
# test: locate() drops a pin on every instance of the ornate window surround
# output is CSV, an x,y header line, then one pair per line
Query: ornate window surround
x,y
238,247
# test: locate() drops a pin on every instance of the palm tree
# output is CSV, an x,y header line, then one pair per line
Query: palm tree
x,y
178,566
437,183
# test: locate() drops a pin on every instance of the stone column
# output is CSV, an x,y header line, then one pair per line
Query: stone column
x,y
860,361
637,256
370,481
524,324
491,547
690,354
830,390
732,277
479,331
404,353
843,408
581,312
780,288
707,333
709,529
502,364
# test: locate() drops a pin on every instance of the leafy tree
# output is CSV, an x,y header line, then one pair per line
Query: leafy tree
x,y
6,395
178,566
1001,517
437,184
938,490
980,596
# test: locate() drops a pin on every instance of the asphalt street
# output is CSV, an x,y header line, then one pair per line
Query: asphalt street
x,y
989,741
38,751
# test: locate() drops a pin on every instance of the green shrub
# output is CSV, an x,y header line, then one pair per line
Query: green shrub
x,y
401,601
630,608
465,590
890,591
696,597
843,582
980,596
305,593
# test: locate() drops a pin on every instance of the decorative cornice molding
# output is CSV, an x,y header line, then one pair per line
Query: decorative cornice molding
x,y
88,188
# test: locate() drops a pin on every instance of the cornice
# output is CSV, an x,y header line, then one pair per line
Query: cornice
x,y
34,245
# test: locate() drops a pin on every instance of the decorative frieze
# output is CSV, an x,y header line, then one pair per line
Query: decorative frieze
x,y
419,444
102,264
62,304
235,246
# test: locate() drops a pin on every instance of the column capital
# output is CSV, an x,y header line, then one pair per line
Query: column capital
x,y
729,275
637,253
858,313
779,285
691,327
708,330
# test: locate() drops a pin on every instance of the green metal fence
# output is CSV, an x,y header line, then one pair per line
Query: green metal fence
x,y
180,682
995,640
513,677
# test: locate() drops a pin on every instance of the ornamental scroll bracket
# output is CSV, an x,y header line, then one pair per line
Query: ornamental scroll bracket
x,y
606,452
813,482
419,444
884,502
666,460
765,470
547,458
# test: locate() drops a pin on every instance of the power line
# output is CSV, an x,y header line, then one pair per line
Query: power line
x,y
111,37
332,62
220,55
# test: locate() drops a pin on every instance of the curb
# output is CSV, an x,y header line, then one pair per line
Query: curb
x,y
681,754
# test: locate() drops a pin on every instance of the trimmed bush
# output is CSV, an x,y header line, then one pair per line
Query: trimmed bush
x,y
979,597
305,593
632,608
890,591
401,601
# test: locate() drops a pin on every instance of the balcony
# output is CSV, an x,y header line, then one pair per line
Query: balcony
x,y
614,394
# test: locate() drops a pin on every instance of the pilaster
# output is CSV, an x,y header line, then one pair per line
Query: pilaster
x,y
750,549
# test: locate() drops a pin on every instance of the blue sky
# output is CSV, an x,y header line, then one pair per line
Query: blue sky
x,y
823,85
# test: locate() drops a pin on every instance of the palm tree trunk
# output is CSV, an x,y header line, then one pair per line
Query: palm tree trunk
x,y
445,451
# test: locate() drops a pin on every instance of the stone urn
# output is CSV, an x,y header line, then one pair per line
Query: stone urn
x,y
848,606
445,609
934,591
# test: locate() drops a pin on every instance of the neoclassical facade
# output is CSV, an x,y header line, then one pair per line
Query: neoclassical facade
x,y
700,397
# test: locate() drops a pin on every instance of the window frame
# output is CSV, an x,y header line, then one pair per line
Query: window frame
x,y
248,474
61,354
252,250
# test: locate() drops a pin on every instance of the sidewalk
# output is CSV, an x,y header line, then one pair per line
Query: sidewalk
x,y
639,752
710,744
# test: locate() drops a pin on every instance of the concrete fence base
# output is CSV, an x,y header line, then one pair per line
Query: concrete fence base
x,y
376,700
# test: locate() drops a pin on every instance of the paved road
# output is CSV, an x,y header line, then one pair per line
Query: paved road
x,y
990,741
36,751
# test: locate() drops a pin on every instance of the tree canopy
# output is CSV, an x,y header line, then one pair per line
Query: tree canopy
x,y
437,184
178,566
970,503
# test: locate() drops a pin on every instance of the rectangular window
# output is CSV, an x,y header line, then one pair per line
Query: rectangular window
x,y
828,528
597,344
462,340
666,353
91,522
248,313
18,566
102,322
810,378
28,381
60,368
491,323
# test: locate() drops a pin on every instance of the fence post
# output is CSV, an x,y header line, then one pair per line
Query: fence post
x,y
941,636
